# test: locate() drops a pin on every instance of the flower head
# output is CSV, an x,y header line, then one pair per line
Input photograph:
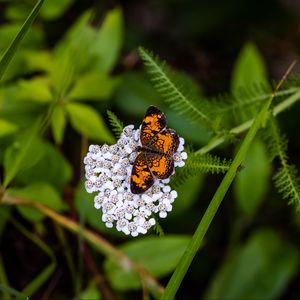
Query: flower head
x,y
108,172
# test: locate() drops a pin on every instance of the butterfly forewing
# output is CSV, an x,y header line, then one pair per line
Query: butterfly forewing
x,y
154,121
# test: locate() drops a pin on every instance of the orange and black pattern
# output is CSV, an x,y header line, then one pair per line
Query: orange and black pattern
x,y
155,158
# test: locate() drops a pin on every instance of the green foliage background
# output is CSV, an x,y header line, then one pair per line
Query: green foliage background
x,y
77,69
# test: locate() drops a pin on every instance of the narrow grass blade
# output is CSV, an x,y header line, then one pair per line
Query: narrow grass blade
x,y
11,291
42,277
206,220
9,53
187,258
18,163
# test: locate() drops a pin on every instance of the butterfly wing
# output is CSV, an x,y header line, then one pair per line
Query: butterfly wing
x,y
166,141
160,165
154,121
141,176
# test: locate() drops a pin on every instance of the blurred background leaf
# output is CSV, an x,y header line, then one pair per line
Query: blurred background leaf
x,y
252,183
88,122
158,255
259,269
40,192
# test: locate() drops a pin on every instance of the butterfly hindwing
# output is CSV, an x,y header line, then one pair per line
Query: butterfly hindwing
x,y
160,165
141,176
166,141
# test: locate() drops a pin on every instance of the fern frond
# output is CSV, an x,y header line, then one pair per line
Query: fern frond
x,y
244,103
157,227
176,90
287,183
116,124
286,179
276,142
196,164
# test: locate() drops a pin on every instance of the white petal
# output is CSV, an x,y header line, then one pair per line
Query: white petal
x,y
142,230
134,233
97,205
128,149
107,155
125,230
174,194
184,155
109,225
128,216
179,164
180,148
152,221
167,189
181,141
146,198
163,214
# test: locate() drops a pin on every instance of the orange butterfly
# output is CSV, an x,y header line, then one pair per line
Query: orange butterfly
x,y
155,159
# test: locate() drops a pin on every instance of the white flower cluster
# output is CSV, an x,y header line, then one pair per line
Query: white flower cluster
x,y
108,172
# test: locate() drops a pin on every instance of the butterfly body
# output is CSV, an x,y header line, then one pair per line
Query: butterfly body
x,y
155,156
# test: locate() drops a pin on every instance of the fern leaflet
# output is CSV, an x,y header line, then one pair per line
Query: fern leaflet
x,y
244,104
176,90
196,164
288,184
116,124
286,179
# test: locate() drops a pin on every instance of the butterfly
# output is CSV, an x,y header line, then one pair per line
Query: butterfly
x,y
155,156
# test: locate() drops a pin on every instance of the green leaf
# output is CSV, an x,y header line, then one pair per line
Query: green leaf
x,y
188,195
88,122
39,192
33,39
9,53
51,9
252,183
22,154
52,168
55,8
94,49
36,89
7,128
159,256
58,123
108,44
260,269
93,86
39,60
91,292
135,94
84,203
249,68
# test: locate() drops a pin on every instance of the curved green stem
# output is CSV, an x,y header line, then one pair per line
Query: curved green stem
x,y
206,220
